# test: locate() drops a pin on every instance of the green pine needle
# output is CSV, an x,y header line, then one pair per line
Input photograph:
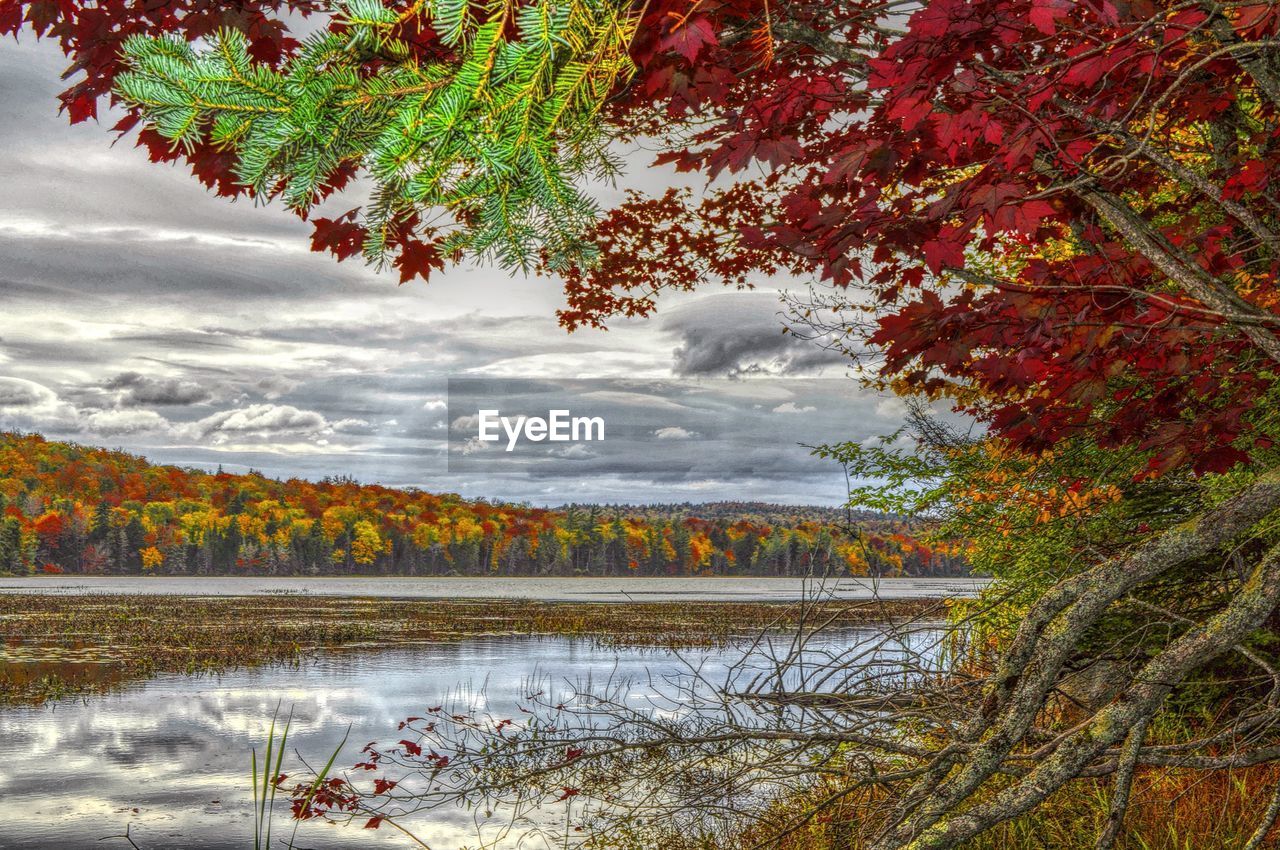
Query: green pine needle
x,y
495,143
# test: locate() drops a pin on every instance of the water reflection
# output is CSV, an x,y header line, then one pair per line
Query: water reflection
x,y
170,758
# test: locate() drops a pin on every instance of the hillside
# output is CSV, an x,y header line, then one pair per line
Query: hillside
x,y
68,508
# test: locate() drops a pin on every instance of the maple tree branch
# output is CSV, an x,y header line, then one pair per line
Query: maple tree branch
x,y
1122,785
1261,71
1190,178
819,41
1244,651
1180,268
1247,610
1267,822
981,279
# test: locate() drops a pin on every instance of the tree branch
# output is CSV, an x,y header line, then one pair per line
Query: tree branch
x,y
1178,267
819,41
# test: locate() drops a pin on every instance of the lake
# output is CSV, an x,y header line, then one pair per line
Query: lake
x,y
169,758
710,589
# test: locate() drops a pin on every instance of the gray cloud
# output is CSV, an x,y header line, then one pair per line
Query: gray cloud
x,y
137,389
672,431
138,310
18,394
738,334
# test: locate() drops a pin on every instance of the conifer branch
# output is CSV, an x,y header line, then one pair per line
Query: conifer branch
x,y
498,137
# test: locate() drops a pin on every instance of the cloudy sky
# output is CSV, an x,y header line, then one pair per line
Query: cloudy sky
x,y
139,311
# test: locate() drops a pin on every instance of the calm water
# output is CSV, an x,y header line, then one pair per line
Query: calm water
x,y
170,757
548,589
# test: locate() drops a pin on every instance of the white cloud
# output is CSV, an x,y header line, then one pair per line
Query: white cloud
x,y
790,407
355,426
674,432
577,451
115,423
263,419
274,386
892,408
466,423
27,404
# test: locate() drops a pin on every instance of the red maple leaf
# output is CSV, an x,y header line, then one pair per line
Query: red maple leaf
x,y
1250,179
1045,14
689,37
340,236
417,259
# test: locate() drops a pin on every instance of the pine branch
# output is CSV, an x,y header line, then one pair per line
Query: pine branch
x,y
497,139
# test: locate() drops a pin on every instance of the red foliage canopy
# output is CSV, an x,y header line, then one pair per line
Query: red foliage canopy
x,y
1108,160
1062,207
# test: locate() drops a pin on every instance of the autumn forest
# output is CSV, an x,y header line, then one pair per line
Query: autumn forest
x,y
73,509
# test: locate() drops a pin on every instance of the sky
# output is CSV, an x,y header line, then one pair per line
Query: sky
x,y
138,311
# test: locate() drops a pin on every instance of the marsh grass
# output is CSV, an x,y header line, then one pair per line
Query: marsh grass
x,y
1171,809
59,646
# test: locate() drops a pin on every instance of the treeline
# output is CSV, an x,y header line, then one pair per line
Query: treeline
x,y
765,512
68,508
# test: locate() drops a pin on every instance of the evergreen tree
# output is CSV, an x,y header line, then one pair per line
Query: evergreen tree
x,y
11,559
498,129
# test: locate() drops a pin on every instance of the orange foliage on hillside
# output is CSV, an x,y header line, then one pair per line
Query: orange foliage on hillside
x,y
78,509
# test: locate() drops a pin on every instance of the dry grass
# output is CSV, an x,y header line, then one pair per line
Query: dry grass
x,y
1171,809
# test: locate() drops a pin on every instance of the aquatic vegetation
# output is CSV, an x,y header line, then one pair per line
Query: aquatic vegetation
x,y
53,647
264,786
268,781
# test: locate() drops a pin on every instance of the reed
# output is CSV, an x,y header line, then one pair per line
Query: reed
x,y
266,783
264,788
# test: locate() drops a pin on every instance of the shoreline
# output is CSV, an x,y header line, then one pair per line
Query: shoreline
x,y
584,589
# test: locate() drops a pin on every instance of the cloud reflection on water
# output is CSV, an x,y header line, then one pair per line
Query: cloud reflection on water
x,y
177,748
